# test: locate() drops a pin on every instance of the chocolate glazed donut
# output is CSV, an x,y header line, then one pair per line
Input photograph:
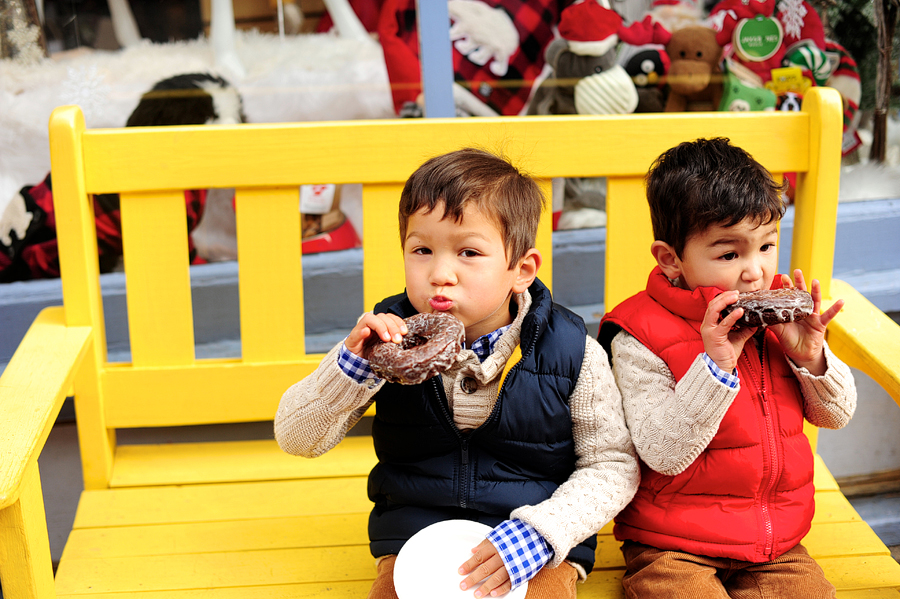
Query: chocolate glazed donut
x,y
430,346
771,306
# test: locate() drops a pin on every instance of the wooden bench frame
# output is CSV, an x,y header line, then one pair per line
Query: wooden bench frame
x,y
240,518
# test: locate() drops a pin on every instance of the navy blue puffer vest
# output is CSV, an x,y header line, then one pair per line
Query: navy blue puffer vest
x,y
428,470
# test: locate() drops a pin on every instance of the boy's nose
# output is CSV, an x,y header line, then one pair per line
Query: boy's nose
x,y
442,274
753,270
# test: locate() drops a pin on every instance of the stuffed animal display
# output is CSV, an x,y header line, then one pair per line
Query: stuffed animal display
x,y
586,78
695,72
738,96
647,65
758,34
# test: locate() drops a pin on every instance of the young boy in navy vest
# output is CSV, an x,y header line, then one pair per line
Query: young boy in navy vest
x,y
545,459
716,414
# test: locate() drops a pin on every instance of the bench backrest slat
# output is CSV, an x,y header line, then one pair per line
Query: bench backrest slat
x,y
154,243
271,281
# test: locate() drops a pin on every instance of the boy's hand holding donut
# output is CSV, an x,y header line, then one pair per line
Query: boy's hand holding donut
x,y
372,328
721,341
804,340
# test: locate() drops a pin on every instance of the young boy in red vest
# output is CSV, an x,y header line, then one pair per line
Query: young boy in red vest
x,y
542,456
716,414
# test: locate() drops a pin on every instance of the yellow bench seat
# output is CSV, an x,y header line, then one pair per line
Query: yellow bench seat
x,y
290,530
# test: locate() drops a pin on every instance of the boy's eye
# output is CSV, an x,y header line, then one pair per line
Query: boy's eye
x,y
469,253
421,251
767,247
729,256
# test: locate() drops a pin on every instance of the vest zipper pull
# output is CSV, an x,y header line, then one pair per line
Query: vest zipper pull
x,y
464,474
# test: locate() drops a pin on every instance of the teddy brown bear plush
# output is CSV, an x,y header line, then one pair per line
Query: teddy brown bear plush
x,y
695,71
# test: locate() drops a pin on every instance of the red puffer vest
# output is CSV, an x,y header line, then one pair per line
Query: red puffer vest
x,y
749,494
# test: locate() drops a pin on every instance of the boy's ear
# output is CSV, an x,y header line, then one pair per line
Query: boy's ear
x,y
527,270
666,258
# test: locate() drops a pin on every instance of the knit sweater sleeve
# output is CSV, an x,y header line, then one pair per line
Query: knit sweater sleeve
x,y
829,401
671,423
316,413
606,472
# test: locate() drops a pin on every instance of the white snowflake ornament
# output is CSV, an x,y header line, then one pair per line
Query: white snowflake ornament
x,y
86,88
25,40
793,14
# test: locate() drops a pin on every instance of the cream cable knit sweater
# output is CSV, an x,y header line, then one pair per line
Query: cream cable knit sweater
x,y
316,413
671,424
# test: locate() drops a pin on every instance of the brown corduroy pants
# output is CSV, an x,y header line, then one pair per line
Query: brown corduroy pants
x,y
549,583
662,574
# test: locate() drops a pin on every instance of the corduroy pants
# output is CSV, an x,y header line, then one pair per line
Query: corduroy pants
x,y
662,574
549,583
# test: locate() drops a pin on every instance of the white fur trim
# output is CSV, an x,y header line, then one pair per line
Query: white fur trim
x,y
595,48
226,103
15,217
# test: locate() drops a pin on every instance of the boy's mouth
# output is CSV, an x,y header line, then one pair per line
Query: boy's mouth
x,y
440,303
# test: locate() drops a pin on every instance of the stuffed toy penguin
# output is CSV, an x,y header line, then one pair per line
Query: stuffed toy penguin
x,y
644,57
647,65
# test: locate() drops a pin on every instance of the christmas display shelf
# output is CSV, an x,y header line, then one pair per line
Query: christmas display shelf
x,y
240,518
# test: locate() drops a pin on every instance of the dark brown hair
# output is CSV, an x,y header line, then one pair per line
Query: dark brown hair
x,y
491,183
708,182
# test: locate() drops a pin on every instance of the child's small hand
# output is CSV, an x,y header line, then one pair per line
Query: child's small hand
x,y
486,563
372,328
722,344
804,341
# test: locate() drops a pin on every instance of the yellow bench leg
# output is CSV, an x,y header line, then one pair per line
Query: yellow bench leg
x,y
26,571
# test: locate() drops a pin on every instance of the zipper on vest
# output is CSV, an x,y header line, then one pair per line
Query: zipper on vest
x,y
464,473
462,499
771,442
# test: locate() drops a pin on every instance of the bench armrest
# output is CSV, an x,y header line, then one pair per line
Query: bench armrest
x,y
865,338
32,389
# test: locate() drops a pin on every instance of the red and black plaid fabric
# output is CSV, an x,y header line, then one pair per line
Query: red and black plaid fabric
x,y
534,20
37,255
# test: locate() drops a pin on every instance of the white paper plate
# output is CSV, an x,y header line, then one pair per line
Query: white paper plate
x,y
427,565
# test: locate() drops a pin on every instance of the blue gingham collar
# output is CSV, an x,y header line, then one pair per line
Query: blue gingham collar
x,y
484,345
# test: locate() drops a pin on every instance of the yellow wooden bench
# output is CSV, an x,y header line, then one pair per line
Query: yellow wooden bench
x,y
240,519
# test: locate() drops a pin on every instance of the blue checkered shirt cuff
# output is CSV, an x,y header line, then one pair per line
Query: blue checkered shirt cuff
x,y
727,378
523,549
355,367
